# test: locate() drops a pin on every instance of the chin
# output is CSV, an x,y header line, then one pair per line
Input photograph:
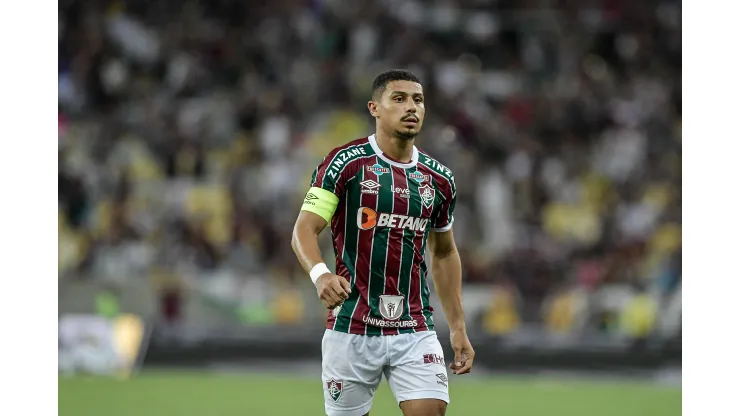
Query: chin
x,y
405,134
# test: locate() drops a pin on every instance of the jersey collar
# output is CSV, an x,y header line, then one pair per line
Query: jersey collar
x,y
376,148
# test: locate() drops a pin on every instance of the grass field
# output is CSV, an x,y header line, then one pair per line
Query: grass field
x,y
218,394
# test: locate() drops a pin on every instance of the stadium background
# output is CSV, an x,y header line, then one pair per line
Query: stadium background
x,y
187,134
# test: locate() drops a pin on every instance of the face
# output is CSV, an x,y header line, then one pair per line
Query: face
x,y
400,110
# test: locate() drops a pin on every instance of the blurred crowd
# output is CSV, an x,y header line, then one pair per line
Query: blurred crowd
x,y
188,131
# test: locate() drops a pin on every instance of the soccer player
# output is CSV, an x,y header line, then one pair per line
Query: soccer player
x,y
385,200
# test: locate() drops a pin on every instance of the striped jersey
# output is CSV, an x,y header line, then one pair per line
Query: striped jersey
x,y
385,212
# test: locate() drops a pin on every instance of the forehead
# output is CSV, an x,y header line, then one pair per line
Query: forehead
x,y
408,87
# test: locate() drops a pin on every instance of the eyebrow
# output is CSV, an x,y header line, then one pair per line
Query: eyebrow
x,y
416,94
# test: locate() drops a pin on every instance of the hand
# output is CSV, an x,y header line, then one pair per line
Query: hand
x,y
333,290
464,353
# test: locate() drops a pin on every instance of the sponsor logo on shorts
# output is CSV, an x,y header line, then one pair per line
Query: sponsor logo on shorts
x,y
334,387
442,379
377,169
368,218
427,195
382,323
369,187
434,359
418,177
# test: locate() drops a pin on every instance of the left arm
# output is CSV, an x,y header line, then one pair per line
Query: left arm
x,y
447,275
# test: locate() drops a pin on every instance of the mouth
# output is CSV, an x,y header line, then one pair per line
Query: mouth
x,y
411,120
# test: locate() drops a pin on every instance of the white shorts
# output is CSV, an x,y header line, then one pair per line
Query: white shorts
x,y
353,365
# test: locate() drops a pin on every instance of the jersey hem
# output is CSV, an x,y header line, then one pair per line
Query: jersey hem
x,y
330,326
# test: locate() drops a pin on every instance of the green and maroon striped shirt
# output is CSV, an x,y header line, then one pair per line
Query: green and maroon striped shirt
x,y
385,212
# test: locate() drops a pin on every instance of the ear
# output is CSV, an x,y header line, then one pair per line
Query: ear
x,y
373,108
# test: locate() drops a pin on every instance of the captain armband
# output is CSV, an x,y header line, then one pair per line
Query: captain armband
x,y
321,202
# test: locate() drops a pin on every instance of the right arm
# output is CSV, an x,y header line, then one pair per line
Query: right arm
x,y
332,289
305,239
316,212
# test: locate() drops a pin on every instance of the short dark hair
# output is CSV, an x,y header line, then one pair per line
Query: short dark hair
x,y
380,82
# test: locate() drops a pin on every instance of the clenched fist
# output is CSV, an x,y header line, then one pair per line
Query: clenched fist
x,y
332,290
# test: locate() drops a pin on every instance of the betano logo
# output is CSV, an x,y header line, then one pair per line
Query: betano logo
x,y
368,218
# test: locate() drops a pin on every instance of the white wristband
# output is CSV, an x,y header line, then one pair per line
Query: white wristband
x,y
317,271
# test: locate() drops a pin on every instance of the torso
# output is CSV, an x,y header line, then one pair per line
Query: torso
x,y
385,213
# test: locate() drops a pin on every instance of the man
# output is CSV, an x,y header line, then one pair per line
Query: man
x,y
385,200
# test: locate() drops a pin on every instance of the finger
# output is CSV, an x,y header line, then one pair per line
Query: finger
x,y
337,300
339,290
345,285
465,368
332,298
459,359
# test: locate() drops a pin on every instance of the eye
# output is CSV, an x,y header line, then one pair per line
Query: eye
x,y
398,99
418,100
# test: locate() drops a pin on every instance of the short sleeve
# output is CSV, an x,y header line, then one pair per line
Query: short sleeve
x,y
327,186
329,177
444,215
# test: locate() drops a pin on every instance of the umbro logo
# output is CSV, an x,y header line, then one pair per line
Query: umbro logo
x,y
369,187
369,184
310,197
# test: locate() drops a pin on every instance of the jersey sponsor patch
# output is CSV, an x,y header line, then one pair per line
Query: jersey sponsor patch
x,y
343,158
391,306
402,192
377,169
436,166
418,177
382,323
368,218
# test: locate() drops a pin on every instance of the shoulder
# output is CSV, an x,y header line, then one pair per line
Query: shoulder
x,y
353,149
338,163
443,176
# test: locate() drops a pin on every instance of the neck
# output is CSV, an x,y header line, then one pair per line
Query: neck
x,y
393,147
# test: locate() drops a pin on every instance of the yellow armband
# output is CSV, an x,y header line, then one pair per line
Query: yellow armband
x,y
321,202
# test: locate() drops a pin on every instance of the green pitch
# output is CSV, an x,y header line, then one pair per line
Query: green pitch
x,y
206,394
